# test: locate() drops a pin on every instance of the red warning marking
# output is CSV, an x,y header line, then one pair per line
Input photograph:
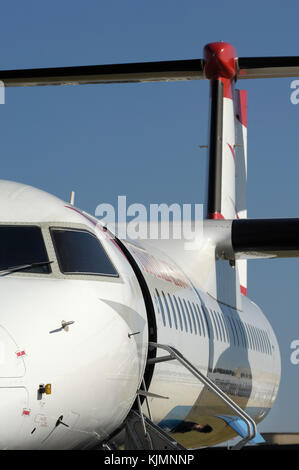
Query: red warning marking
x,y
243,290
232,151
241,106
20,353
215,215
227,88
26,412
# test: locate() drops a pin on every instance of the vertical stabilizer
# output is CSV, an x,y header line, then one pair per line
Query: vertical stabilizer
x,y
220,69
227,157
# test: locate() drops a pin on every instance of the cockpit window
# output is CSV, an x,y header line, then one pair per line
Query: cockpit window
x,y
21,245
80,252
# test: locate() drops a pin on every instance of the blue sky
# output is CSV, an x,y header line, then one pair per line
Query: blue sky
x,y
142,140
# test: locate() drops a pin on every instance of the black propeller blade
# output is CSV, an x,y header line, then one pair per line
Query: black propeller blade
x,y
173,70
114,73
268,67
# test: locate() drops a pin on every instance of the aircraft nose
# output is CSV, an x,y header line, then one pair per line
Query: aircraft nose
x,y
94,367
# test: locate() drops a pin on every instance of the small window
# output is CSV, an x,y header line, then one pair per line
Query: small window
x,y
202,319
238,324
248,335
179,313
161,308
243,333
173,312
23,244
269,344
188,316
80,252
193,317
222,314
253,337
260,339
219,326
184,315
215,327
265,342
235,337
219,316
197,319
256,339
239,339
206,316
167,309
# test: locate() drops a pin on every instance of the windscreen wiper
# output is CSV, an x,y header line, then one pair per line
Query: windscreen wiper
x,y
22,267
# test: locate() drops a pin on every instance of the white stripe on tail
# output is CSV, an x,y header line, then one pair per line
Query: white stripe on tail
x,y
228,204
240,99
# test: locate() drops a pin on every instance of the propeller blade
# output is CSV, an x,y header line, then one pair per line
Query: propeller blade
x,y
114,73
268,67
173,70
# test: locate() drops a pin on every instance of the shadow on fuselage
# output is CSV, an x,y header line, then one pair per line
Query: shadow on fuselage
x,y
229,368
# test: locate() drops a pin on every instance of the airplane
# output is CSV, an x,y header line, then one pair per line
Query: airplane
x,y
140,344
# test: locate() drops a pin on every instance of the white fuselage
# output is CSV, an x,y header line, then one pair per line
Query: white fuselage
x,y
96,364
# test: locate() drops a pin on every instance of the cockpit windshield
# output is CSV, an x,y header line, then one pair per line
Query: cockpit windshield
x,y
22,245
80,252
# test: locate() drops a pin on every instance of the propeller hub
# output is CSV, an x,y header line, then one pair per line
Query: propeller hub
x,y
220,60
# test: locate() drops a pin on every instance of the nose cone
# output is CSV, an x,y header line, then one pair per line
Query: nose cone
x,y
220,60
94,366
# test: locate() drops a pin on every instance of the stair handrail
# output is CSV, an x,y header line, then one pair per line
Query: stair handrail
x,y
250,423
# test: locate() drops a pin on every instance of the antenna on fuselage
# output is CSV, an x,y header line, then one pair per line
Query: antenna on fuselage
x,y
72,198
